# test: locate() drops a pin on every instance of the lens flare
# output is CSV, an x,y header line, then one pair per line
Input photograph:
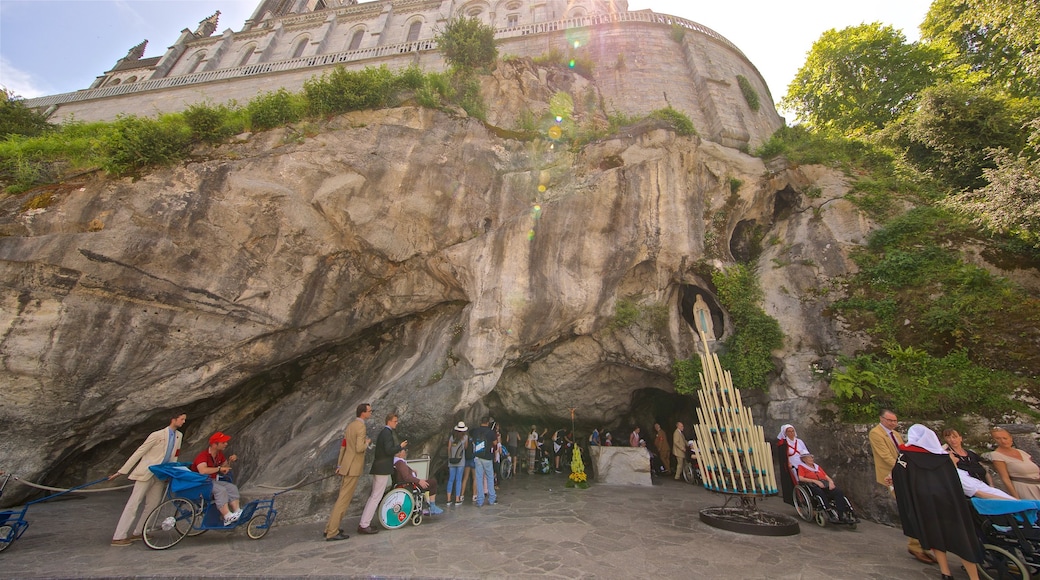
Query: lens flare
x,y
530,235
571,63
555,132
541,188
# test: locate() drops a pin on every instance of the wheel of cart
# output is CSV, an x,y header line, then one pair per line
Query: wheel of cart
x,y
507,467
405,502
13,523
189,509
691,472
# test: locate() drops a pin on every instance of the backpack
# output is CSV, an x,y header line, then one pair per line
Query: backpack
x,y
458,450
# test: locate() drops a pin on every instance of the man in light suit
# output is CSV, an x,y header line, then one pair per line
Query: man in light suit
x,y
884,443
679,449
161,446
349,466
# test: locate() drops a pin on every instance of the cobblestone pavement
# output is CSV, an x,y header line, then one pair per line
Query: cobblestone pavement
x,y
538,529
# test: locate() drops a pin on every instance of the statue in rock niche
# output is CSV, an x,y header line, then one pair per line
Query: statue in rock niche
x,y
702,318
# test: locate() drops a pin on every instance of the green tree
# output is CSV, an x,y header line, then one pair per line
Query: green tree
x,y
468,44
993,43
17,119
951,132
858,79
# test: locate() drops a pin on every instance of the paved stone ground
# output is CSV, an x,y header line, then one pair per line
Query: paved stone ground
x,y
538,529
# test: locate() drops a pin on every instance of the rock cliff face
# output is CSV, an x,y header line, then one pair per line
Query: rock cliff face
x,y
406,257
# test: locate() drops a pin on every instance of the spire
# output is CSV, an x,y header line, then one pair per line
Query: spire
x,y
207,26
136,52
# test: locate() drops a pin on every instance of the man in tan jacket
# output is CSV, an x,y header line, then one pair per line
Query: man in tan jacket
x,y
884,443
349,466
162,446
679,449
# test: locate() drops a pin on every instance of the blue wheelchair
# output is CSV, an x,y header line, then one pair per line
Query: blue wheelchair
x,y
189,509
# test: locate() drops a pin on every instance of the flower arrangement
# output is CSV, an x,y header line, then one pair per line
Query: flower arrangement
x,y
577,478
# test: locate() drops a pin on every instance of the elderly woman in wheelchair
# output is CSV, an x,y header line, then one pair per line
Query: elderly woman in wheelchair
x,y
818,498
407,499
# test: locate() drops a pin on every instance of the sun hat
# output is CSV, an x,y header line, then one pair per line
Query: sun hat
x,y
461,427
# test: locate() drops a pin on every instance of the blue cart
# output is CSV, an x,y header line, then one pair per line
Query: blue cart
x,y
189,509
12,522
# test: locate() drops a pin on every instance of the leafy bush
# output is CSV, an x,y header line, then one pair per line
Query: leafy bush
x,y
17,119
749,92
679,121
134,143
468,44
345,90
922,386
210,124
626,312
748,354
276,108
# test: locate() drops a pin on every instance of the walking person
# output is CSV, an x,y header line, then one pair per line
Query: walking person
x,y
513,446
484,440
162,446
532,449
458,441
884,445
663,447
349,465
679,449
382,466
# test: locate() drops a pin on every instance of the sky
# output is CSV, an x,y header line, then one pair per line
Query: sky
x,y
57,46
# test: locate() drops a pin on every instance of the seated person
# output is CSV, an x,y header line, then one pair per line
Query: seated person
x,y
405,474
212,462
821,484
974,488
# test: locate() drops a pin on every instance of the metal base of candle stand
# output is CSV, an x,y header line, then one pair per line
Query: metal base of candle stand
x,y
746,518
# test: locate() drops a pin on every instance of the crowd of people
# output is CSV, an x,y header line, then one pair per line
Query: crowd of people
x,y
928,480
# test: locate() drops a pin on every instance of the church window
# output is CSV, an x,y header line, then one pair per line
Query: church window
x,y
300,46
319,5
113,82
413,31
355,41
130,80
196,62
246,55
513,6
512,20
474,12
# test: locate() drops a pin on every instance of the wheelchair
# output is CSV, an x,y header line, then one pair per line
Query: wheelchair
x,y
188,509
813,507
1010,535
405,502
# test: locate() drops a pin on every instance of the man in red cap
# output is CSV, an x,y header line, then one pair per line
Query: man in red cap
x,y
212,462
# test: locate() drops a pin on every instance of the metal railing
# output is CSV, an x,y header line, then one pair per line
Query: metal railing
x,y
323,60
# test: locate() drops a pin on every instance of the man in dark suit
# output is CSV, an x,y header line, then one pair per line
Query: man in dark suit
x,y
382,467
349,465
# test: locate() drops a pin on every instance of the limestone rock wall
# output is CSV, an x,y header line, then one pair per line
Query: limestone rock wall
x,y
404,257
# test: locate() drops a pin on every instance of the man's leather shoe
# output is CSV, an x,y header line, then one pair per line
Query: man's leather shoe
x,y
339,536
923,557
368,530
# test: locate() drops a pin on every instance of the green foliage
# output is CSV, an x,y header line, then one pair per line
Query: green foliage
x,y
468,44
748,353
950,134
626,312
134,143
991,43
213,124
687,376
676,119
922,386
678,33
345,90
17,119
1009,203
858,79
749,92
467,91
273,109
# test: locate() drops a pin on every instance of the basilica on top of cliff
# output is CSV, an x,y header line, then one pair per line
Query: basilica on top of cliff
x,y
643,60
283,30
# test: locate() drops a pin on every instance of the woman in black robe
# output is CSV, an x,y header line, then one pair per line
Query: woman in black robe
x,y
932,506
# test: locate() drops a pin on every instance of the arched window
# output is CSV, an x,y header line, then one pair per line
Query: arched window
x,y
113,82
413,31
512,20
355,41
130,80
196,62
247,54
300,47
578,12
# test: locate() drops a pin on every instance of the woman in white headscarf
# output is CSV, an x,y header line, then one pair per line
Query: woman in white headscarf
x,y
789,453
932,506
